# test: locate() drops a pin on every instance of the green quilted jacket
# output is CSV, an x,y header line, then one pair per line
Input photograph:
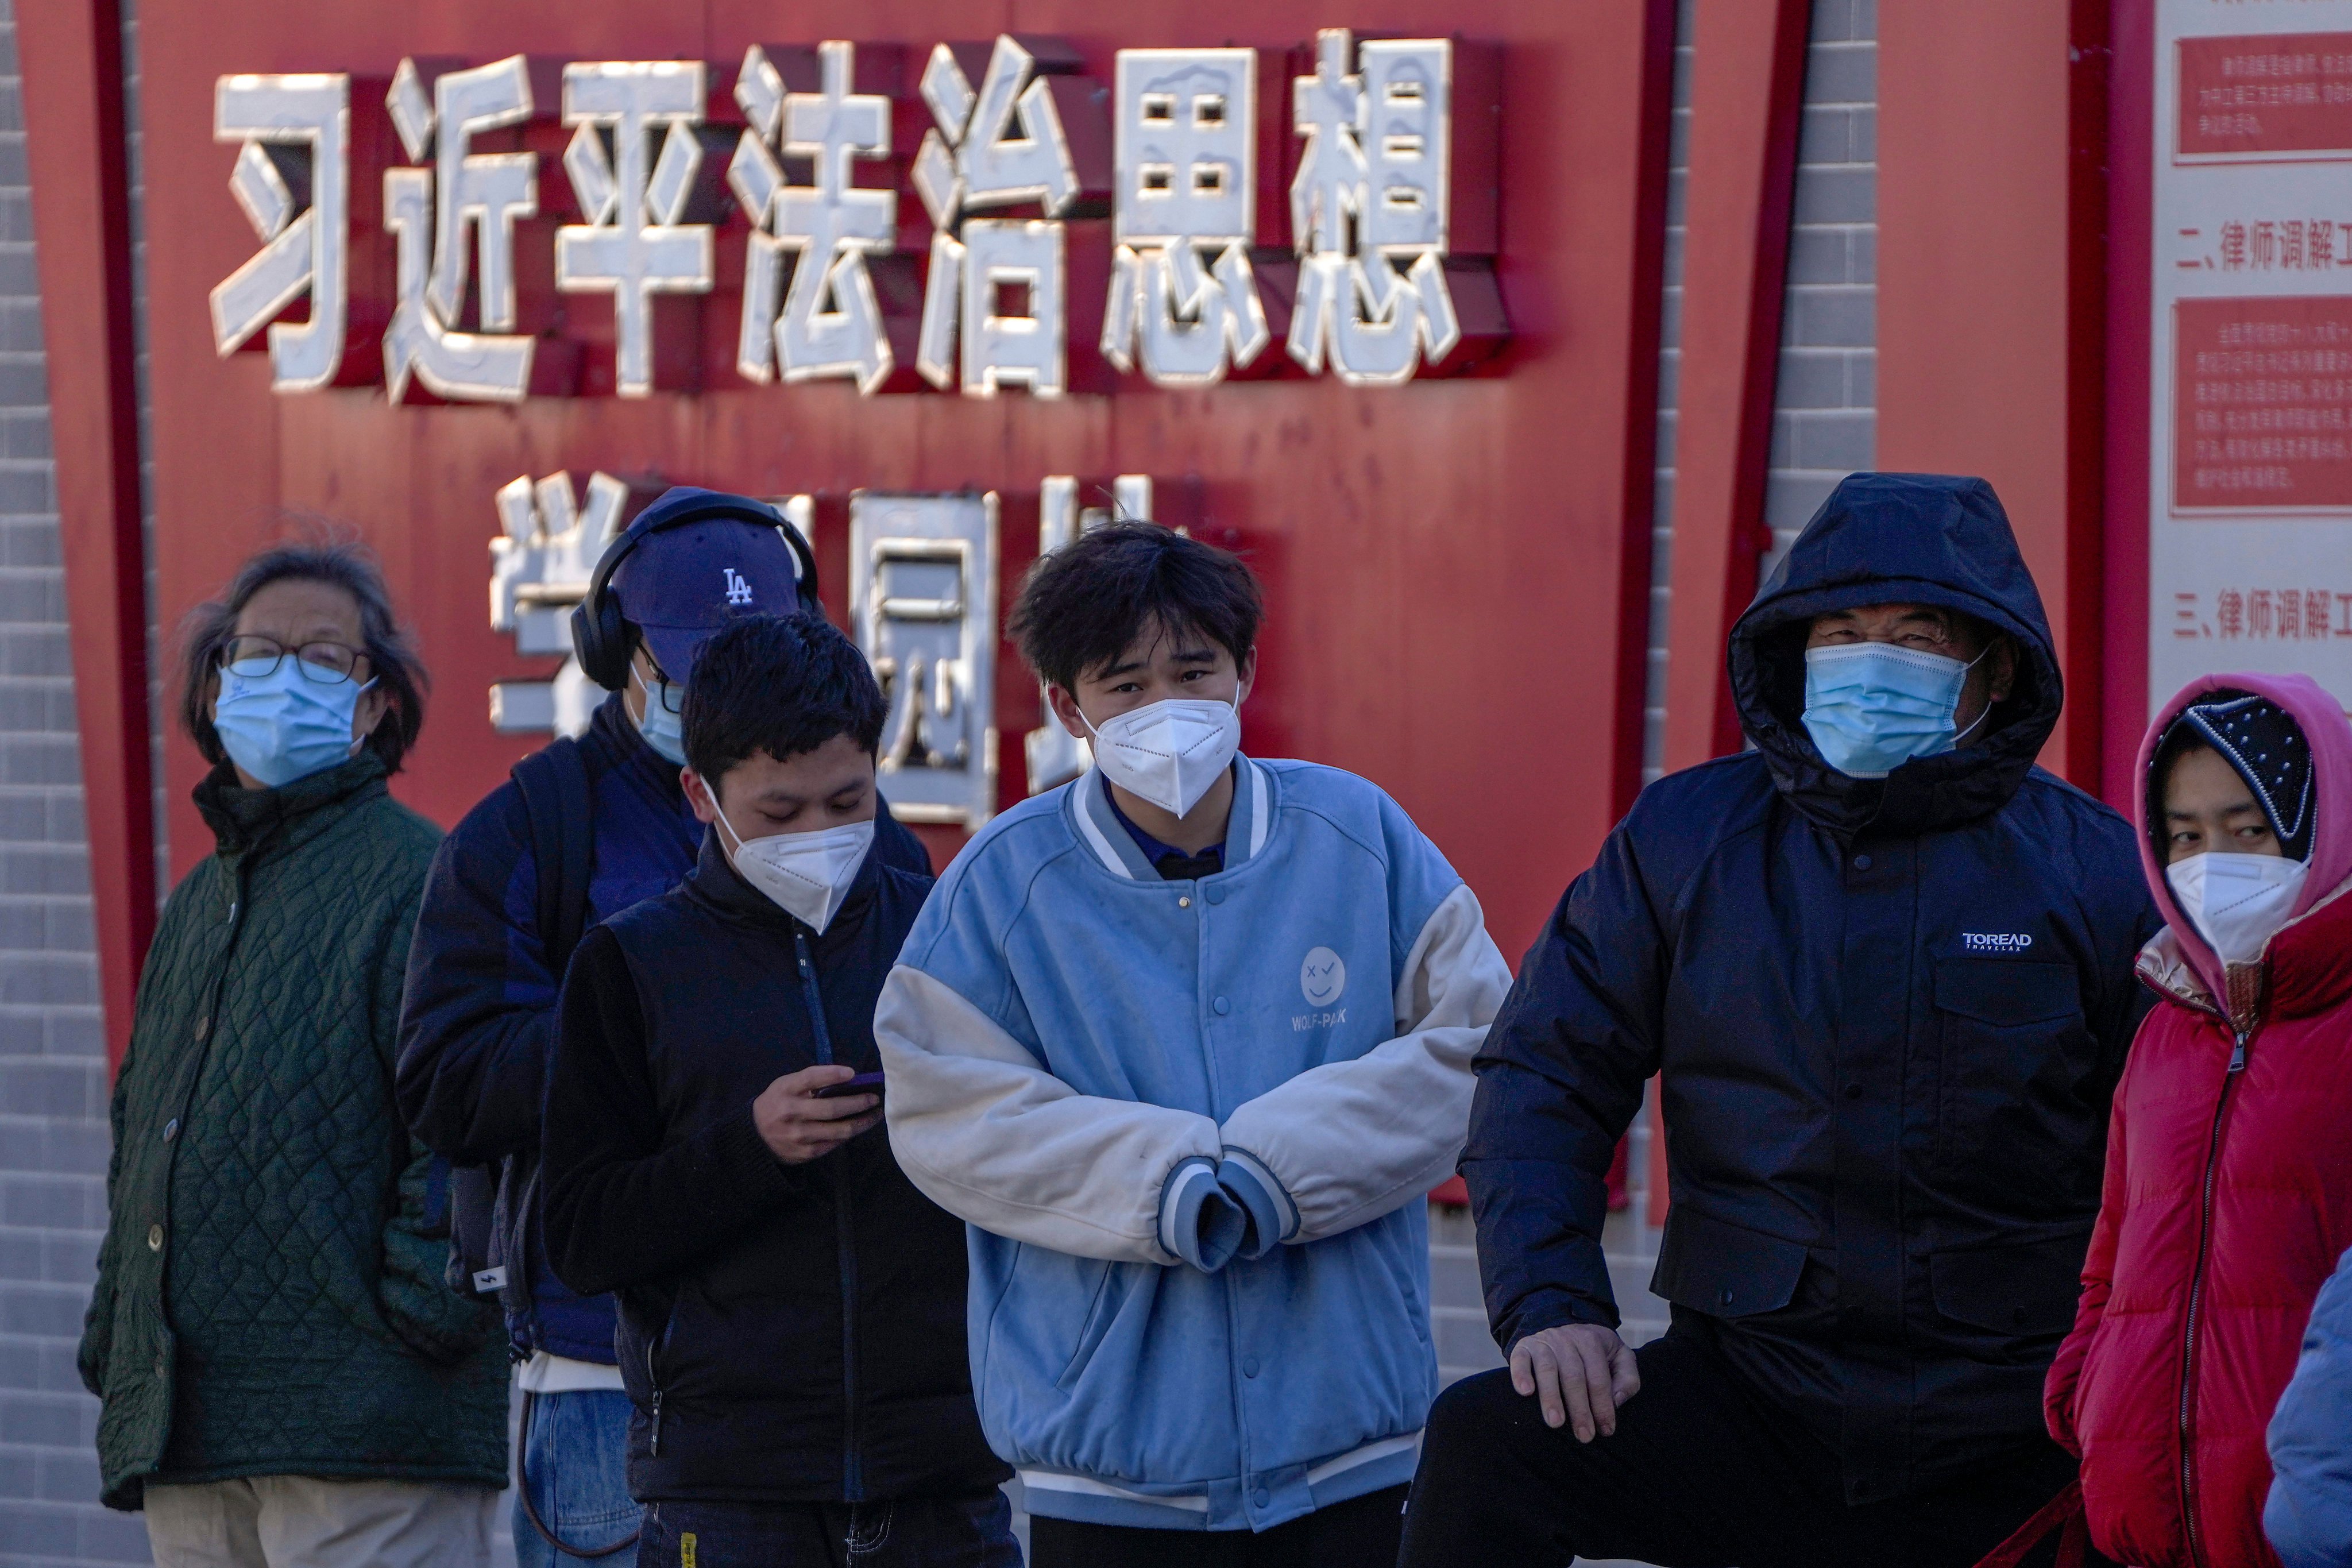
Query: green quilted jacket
x,y
269,1294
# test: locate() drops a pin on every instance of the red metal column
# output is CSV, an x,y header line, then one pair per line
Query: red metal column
x,y
1747,84
1992,290
70,53
1747,92
2124,540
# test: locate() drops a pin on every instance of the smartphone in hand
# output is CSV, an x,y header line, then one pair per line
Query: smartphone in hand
x,y
864,1083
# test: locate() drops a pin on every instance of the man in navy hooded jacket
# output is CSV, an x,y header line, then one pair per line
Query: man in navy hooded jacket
x,y
1883,965
477,1017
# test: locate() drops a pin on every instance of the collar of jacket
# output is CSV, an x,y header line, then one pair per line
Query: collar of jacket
x,y
1099,828
612,728
715,885
2305,969
243,819
1880,539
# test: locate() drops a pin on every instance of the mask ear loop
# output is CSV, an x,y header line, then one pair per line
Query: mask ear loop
x,y
637,675
1959,739
724,830
360,741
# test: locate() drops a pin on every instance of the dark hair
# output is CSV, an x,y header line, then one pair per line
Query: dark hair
x,y
342,563
1087,603
778,684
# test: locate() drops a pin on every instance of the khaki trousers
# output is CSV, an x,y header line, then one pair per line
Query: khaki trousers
x,y
296,1521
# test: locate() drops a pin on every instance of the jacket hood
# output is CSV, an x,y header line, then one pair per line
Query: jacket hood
x,y
2323,725
624,739
1924,538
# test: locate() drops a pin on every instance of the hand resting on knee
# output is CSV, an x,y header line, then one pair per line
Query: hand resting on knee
x,y
1579,1373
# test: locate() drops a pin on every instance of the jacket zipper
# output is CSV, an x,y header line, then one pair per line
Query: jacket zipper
x,y
653,1380
2196,1298
853,1480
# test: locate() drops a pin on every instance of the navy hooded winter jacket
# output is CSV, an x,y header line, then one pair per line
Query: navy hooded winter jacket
x,y
1889,1015
477,1019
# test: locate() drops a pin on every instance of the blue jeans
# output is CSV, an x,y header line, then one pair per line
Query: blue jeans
x,y
576,1465
960,1530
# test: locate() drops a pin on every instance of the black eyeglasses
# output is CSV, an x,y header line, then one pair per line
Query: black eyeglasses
x,y
324,662
661,689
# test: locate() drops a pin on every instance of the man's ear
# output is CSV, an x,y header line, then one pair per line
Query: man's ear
x,y
1065,708
2004,668
700,796
1247,668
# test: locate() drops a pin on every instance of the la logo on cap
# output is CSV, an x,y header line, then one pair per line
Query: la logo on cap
x,y
738,591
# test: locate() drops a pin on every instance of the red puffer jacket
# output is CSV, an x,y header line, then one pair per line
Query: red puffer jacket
x,y
2228,1200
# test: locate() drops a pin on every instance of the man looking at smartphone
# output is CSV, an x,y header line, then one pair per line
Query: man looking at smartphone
x,y
791,1310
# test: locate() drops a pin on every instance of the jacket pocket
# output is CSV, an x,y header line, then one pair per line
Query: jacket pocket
x,y
1109,1293
2029,1291
1722,1270
2017,1130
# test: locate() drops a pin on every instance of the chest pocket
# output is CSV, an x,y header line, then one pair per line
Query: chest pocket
x,y
2016,1132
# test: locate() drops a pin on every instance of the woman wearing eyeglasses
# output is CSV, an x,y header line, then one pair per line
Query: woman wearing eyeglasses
x,y
286,1377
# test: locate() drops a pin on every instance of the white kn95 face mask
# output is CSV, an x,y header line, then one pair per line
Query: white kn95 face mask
x,y
1170,753
806,874
2238,902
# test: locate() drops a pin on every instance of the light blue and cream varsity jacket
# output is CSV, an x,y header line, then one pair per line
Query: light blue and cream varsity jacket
x,y
1191,1124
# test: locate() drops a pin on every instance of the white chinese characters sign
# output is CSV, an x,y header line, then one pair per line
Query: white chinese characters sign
x,y
1023,151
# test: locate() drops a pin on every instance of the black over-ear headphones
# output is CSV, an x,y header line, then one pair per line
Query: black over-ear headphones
x,y
599,634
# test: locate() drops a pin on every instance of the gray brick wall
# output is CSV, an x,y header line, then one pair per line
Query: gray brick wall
x,y
53,1140
1824,420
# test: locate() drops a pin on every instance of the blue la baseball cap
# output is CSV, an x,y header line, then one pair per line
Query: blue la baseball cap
x,y
703,557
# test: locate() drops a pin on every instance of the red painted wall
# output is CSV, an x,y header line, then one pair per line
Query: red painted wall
x,y
1457,568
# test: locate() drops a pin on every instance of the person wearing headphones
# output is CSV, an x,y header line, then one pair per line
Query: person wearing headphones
x,y
584,829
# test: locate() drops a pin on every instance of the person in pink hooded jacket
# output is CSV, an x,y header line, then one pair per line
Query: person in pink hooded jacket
x,y
2229,1173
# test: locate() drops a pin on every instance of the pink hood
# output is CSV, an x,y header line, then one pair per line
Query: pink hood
x,y
2330,734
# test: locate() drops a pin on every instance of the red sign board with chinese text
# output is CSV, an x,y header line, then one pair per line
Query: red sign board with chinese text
x,y
1456,564
2281,95
2262,405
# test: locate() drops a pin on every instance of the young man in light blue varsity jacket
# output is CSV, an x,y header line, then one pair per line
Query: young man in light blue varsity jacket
x,y
1186,1042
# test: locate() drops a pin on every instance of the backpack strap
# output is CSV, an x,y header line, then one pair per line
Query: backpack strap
x,y
498,1205
555,796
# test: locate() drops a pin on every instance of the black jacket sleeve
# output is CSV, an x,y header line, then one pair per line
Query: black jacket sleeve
x,y
478,1011
627,1199
2123,918
1559,1078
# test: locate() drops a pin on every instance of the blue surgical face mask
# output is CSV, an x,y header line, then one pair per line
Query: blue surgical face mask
x,y
1872,707
664,730
282,725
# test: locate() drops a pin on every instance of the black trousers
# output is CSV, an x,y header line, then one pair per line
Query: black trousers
x,y
1699,1474
969,1529
1359,1533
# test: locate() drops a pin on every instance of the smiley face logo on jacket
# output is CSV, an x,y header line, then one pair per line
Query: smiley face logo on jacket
x,y
1322,977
